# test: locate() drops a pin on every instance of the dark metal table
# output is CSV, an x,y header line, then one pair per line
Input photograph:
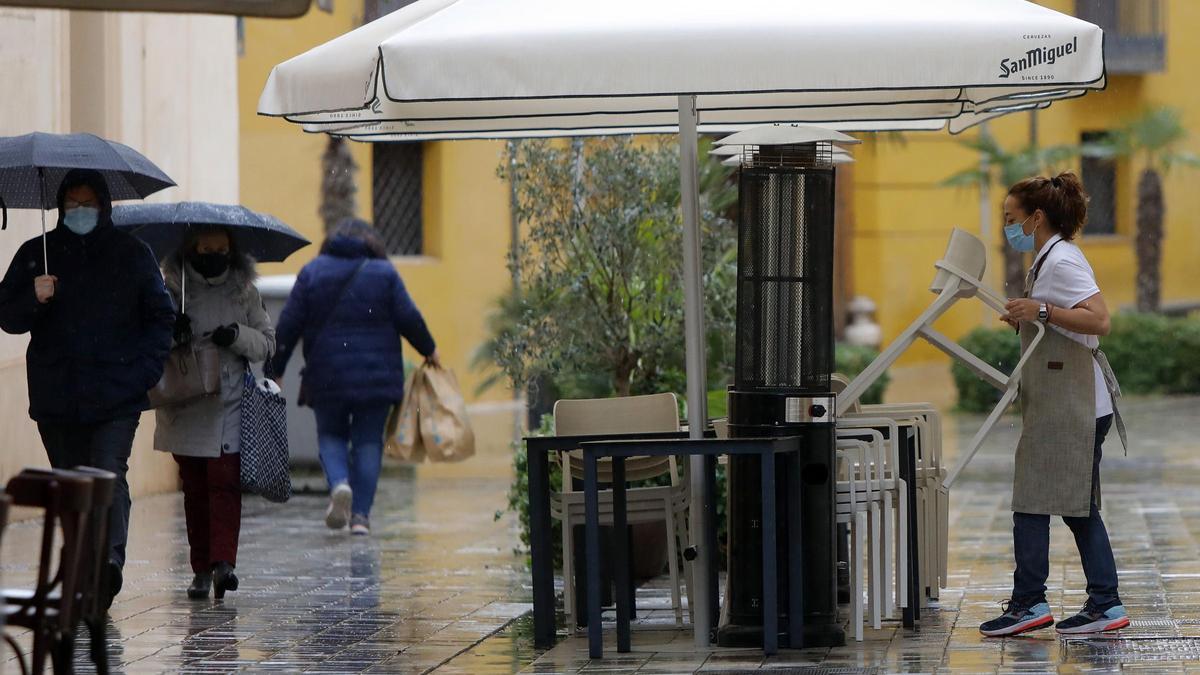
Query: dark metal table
x,y
788,448
541,548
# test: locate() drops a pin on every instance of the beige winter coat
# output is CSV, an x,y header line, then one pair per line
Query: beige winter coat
x,y
210,426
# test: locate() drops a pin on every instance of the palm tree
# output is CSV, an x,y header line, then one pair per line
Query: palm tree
x,y
1153,137
338,188
1003,167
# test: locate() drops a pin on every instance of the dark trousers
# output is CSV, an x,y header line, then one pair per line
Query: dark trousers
x,y
105,445
1031,544
212,505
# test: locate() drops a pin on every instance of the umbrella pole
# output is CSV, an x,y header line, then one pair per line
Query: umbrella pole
x,y
45,246
697,390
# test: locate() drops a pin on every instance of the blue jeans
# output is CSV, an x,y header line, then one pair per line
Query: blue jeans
x,y
1031,544
350,442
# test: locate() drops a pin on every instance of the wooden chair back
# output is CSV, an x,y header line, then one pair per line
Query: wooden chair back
x,y
52,609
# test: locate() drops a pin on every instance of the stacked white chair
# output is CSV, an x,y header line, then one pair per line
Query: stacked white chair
x,y
878,481
667,504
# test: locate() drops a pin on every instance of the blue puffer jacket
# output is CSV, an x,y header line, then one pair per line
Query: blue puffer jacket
x,y
355,357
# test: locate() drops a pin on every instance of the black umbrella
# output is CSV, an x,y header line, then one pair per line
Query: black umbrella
x,y
165,226
32,167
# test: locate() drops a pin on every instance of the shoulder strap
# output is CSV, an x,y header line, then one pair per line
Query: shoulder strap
x,y
1033,273
340,296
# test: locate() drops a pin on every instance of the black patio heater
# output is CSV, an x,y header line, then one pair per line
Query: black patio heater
x,y
781,387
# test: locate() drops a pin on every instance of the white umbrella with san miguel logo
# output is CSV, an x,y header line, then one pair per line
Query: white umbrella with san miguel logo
x,y
462,69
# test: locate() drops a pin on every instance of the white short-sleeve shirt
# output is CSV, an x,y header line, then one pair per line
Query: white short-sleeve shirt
x,y
1065,280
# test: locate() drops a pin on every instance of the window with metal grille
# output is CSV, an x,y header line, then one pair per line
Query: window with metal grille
x,y
396,196
1135,38
1099,175
373,9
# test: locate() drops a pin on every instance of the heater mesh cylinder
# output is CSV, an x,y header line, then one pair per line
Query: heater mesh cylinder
x,y
785,279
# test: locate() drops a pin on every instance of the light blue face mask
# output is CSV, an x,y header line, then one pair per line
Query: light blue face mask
x,y
1015,233
81,220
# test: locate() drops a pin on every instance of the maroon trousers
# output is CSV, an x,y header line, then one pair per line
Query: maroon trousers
x,y
212,505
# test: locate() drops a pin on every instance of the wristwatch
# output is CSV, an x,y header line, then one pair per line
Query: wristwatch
x,y
1043,313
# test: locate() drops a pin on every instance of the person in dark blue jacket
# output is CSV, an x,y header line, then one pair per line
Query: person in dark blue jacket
x,y
350,308
100,329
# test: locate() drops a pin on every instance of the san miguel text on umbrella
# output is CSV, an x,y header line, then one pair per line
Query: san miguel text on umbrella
x,y
1037,57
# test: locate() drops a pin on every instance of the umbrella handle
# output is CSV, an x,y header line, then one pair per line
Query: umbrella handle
x,y
4,216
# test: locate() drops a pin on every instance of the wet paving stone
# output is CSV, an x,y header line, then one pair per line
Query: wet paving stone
x,y
437,576
438,588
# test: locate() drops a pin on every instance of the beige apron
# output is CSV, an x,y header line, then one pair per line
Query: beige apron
x,y
1058,429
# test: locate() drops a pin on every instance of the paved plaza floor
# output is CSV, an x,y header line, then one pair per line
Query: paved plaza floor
x,y
438,588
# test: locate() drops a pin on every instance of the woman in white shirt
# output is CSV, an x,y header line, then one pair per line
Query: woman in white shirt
x,y
1067,405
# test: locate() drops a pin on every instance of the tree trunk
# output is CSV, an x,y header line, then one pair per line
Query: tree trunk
x,y
1149,240
623,368
338,188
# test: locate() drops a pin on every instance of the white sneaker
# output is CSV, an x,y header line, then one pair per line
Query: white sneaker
x,y
338,513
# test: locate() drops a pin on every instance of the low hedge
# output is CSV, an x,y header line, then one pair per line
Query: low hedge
x,y
1149,353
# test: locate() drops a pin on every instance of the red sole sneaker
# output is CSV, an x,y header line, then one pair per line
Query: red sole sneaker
x,y
1019,628
1097,627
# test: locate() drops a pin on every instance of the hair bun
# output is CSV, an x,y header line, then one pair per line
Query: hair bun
x,y
1056,182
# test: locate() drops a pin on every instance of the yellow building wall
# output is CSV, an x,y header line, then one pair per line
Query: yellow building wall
x,y
280,164
465,206
904,216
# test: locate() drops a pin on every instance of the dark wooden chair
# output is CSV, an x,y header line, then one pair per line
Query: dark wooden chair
x,y
52,608
94,583
5,505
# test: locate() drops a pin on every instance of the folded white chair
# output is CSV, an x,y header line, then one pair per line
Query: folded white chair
x,y
959,276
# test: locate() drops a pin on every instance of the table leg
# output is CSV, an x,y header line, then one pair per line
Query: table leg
x,y
795,554
621,555
591,501
770,597
711,547
541,550
908,465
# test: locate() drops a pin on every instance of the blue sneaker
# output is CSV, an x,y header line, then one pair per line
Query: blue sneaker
x,y
1019,617
1094,619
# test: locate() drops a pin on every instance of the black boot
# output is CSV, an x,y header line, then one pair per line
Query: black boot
x,y
115,580
223,579
201,585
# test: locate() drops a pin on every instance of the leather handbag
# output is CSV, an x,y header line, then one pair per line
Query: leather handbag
x,y
190,372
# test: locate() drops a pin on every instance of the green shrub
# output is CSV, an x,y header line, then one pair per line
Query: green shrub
x,y
999,347
1154,354
1185,377
850,360
1139,352
1149,354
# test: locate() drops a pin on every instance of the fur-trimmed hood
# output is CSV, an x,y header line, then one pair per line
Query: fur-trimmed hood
x,y
242,273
